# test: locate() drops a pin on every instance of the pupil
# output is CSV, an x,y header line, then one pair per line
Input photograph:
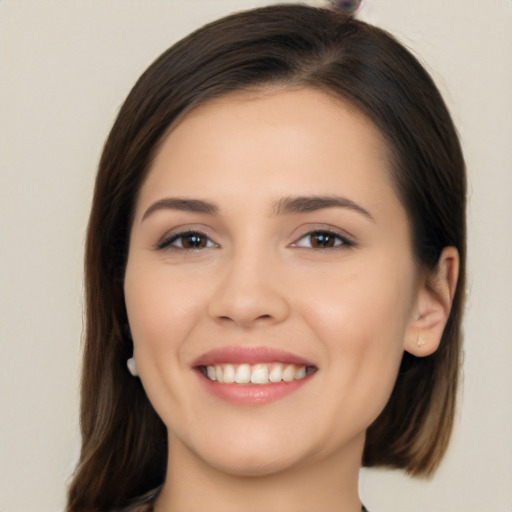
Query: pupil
x,y
194,241
322,240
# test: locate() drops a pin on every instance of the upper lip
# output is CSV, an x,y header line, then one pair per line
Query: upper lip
x,y
249,355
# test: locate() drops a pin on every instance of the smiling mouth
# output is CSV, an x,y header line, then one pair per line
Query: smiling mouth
x,y
260,373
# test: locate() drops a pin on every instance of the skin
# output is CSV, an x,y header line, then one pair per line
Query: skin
x,y
351,309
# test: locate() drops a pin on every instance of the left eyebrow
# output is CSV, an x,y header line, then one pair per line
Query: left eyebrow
x,y
306,204
182,204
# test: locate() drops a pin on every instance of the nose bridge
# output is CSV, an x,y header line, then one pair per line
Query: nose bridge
x,y
249,289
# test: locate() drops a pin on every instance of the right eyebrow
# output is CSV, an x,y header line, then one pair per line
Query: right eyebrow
x,y
306,204
186,205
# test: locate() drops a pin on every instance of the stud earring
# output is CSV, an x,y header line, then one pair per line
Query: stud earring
x,y
132,366
421,341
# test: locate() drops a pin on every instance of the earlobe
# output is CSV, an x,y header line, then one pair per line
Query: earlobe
x,y
434,302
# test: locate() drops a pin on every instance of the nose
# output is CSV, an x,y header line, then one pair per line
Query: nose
x,y
249,292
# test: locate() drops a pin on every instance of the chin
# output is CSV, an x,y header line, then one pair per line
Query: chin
x,y
252,454
254,464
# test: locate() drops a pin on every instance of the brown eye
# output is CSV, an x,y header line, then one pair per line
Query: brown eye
x,y
193,241
189,241
322,240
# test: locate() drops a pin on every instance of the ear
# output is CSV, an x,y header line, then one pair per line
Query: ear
x,y
433,305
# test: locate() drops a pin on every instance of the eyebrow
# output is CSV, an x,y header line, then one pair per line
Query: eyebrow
x,y
285,206
185,205
306,204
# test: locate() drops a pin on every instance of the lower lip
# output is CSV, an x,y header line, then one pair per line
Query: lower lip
x,y
252,394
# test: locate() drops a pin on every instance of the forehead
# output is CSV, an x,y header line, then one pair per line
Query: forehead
x,y
274,104
275,141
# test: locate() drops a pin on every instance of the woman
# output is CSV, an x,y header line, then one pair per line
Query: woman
x,y
276,251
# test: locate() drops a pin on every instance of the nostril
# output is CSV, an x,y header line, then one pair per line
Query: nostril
x,y
260,317
247,304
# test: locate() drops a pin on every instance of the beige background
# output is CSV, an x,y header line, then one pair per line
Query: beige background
x,y
66,67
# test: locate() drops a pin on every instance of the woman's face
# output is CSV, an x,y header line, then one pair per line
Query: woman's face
x,y
268,245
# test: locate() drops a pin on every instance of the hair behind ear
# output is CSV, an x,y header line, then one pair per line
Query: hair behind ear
x,y
414,429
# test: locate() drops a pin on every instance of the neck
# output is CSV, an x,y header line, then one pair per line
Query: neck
x,y
328,484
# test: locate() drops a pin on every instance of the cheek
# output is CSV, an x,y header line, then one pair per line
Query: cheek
x,y
361,319
364,337
362,305
161,310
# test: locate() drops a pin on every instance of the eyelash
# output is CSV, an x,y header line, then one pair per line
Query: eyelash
x,y
340,241
167,242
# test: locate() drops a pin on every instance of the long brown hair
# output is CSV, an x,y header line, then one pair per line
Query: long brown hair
x,y
124,448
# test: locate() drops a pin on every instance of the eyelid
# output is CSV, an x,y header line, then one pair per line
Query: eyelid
x,y
166,241
346,239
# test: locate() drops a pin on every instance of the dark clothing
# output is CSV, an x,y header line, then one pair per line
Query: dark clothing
x,y
145,503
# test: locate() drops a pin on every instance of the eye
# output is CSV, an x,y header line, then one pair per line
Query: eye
x,y
322,240
187,241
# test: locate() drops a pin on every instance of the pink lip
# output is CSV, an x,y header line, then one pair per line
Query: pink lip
x,y
249,355
250,394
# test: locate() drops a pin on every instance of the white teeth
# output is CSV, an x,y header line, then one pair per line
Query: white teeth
x,y
219,373
229,374
243,374
211,372
289,373
261,373
276,374
300,373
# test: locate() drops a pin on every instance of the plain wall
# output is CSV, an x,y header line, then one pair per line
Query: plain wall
x,y
66,68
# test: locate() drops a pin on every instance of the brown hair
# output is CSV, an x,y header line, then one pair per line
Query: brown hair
x,y
124,442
